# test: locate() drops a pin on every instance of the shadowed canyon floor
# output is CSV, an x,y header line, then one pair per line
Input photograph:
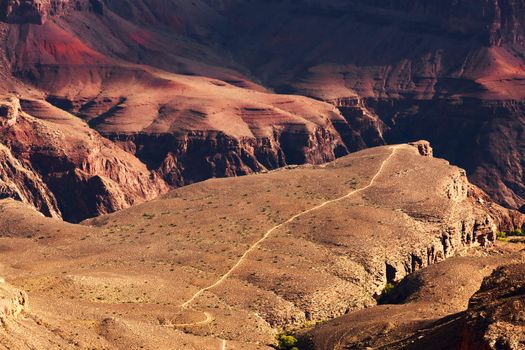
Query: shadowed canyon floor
x,y
228,263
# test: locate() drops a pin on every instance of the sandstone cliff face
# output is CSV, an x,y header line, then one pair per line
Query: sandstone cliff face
x,y
17,179
182,159
495,21
461,223
66,170
23,184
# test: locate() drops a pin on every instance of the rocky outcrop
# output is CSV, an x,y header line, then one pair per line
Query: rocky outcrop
x,y
464,224
20,182
361,127
20,11
12,302
64,169
423,148
495,319
9,110
182,159
38,11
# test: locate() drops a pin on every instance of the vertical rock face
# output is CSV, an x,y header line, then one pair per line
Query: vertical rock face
x,y
493,20
20,182
64,169
198,155
362,128
29,11
19,11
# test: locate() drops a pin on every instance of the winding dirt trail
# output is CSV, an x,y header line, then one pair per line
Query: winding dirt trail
x,y
208,319
270,231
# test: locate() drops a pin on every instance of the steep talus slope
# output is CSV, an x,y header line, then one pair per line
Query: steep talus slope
x,y
233,261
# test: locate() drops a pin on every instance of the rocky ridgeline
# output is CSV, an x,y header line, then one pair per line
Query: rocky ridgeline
x,y
38,11
441,218
493,20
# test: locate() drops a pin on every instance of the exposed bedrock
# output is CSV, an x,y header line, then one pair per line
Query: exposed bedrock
x,y
64,169
483,137
495,318
12,302
361,127
38,11
198,155
19,181
398,230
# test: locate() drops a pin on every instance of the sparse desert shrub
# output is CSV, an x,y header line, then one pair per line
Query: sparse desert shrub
x,y
517,232
504,236
389,287
287,342
386,294
501,236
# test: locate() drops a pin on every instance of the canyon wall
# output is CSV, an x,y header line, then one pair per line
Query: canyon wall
x,y
64,169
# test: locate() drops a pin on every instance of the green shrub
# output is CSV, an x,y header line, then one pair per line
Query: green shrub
x,y
517,232
389,287
504,236
501,236
386,296
287,342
